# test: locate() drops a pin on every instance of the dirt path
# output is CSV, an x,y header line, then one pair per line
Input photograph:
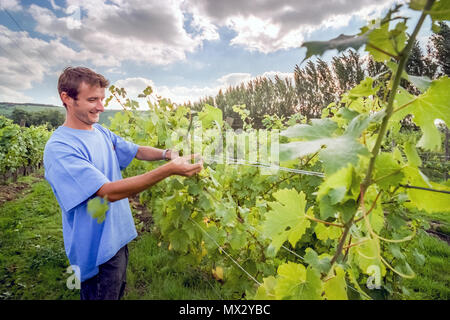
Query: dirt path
x,y
141,213
14,190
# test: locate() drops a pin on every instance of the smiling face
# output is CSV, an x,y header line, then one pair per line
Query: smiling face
x,y
84,111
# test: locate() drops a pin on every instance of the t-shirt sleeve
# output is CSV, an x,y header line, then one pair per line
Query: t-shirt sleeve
x,y
125,150
73,178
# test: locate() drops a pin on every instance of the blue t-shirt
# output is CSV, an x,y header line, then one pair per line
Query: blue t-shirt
x,y
77,163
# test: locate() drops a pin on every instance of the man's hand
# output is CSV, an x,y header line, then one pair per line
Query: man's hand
x,y
182,166
172,154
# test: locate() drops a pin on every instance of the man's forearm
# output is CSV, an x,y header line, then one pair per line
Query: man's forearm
x,y
127,187
149,153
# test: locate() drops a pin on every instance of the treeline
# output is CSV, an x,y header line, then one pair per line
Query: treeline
x,y
317,84
52,118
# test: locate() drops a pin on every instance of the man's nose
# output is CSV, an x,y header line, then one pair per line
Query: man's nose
x,y
100,107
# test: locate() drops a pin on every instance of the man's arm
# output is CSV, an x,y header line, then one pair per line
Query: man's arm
x,y
127,187
151,154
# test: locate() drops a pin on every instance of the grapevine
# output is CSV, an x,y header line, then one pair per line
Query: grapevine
x,y
287,235
21,147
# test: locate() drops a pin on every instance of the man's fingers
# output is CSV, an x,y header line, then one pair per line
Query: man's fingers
x,y
195,156
195,168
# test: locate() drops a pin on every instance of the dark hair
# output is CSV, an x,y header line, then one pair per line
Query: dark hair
x,y
72,77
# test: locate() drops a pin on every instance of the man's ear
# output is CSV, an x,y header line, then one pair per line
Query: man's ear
x,y
66,99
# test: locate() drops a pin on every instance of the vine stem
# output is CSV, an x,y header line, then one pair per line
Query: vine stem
x,y
384,125
390,104
118,100
382,51
371,208
325,222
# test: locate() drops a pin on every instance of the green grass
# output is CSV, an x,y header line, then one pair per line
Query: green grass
x,y
433,277
33,262
32,257
153,273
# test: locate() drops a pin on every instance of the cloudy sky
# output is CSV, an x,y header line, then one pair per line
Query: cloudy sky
x,y
185,49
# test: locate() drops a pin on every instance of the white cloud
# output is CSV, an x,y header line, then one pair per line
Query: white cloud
x,y
268,26
233,79
177,94
282,75
9,95
26,61
13,5
107,33
155,32
150,32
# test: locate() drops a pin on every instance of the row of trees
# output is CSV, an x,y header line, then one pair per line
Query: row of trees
x,y
52,118
319,83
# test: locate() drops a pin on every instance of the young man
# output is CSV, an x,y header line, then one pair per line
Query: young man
x,y
83,160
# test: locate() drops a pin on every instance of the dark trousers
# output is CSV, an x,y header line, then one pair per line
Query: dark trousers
x,y
109,283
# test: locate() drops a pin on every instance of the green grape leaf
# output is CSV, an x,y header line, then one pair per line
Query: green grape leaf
x,y
363,89
209,115
215,237
359,123
352,276
401,102
396,252
238,239
366,255
418,257
319,128
336,186
286,220
266,291
227,213
327,210
417,4
422,199
336,288
337,152
312,258
341,43
290,276
422,83
97,208
383,43
426,108
388,172
440,10
376,217
412,155
296,283
324,233
178,240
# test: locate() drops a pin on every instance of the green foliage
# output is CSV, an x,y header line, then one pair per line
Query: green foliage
x,y
341,43
426,108
51,118
243,226
210,116
286,220
97,208
20,146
